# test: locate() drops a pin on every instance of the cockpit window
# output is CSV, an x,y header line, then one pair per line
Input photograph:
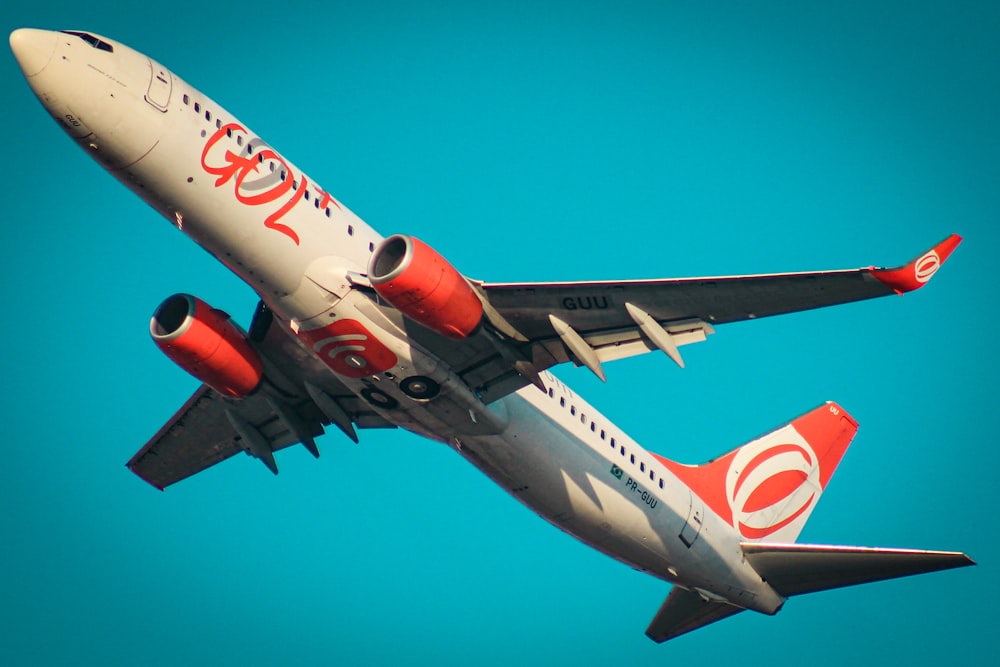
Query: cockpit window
x,y
90,39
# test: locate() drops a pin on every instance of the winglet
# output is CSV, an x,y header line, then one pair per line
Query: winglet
x,y
913,275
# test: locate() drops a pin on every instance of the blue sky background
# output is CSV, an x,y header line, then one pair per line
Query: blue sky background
x,y
526,141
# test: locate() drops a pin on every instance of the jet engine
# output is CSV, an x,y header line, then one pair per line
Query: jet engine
x,y
207,344
422,285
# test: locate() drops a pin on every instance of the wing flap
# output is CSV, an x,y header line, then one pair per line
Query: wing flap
x,y
684,611
796,569
623,343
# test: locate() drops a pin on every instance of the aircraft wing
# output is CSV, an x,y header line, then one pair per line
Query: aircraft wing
x,y
589,323
302,398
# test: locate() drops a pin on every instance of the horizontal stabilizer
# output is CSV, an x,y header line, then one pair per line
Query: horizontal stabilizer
x,y
684,611
795,569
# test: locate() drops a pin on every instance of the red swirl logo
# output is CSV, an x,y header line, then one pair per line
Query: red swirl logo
x,y
348,348
770,486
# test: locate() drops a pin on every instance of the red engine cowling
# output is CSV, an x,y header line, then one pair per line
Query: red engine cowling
x,y
421,284
207,344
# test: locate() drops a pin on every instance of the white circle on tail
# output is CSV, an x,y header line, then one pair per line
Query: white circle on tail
x,y
771,484
926,266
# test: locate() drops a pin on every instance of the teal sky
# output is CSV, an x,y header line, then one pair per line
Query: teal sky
x,y
525,141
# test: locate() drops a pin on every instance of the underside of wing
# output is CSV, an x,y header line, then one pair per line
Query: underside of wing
x,y
298,398
600,306
201,435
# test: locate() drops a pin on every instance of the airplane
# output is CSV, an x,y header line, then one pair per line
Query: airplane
x,y
355,330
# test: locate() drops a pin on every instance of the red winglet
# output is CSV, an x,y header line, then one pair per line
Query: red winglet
x,y
913,275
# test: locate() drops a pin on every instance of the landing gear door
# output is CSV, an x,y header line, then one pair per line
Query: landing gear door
x,y
692,526
160,85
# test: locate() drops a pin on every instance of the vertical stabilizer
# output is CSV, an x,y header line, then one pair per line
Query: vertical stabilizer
x,y
768,487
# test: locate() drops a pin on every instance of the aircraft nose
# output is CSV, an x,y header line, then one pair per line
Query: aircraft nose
x,y
33,48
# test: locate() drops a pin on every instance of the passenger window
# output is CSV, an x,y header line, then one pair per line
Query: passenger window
x,y
572,409
562,401
187,99
218,123
350,230
208,115
305,195
602,434
239,140
631,458
328,213
642,467
661,482
652,475
197,106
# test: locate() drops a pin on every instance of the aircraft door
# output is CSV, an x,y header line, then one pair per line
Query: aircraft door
x,y
692,526
160,85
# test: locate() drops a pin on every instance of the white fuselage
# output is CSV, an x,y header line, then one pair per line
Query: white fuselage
x,y
302,252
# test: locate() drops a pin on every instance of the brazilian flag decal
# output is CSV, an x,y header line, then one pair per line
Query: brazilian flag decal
x,y
616,471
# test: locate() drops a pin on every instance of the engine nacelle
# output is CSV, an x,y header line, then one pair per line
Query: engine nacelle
x,y
422,285
207,344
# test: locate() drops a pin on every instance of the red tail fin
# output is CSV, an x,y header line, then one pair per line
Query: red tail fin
x,y
768,487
